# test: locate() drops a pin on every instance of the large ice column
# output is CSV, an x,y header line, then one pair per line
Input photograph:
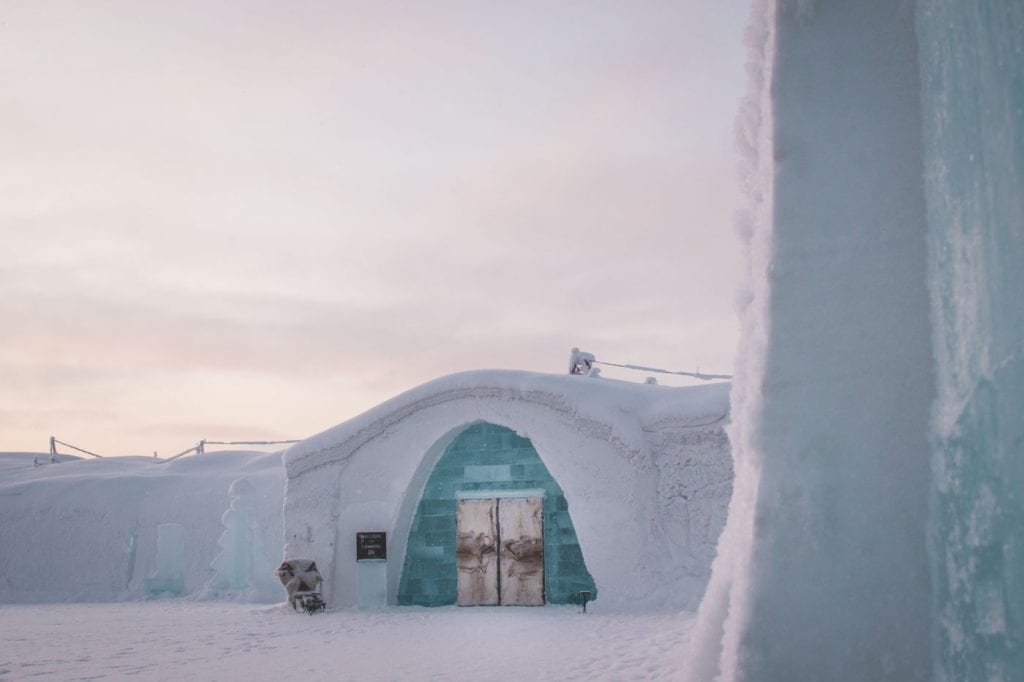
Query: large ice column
x,y
972,58
822,571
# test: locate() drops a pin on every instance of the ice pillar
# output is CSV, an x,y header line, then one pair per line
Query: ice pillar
x,y
823,570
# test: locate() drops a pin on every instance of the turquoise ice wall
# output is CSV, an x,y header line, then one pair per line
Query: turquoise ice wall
x,y
491,458
972,66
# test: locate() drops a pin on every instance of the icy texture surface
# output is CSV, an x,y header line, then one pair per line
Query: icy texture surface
x,y
973,78
882,366
822,573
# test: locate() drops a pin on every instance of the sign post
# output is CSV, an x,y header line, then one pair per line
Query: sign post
x,y
372,572
371,546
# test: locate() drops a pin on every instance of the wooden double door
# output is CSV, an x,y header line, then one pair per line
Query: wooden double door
x,y
499,551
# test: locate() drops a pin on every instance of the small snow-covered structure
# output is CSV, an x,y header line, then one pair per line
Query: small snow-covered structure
x,y
556,485
123,528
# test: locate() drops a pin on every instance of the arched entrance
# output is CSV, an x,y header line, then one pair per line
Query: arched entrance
x,y
492,527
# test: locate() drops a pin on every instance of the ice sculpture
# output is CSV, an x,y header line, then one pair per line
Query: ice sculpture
x,y
242,564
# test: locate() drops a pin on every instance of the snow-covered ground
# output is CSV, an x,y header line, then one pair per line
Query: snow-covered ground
x,y
180,639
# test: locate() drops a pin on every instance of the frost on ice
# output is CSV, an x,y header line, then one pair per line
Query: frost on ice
x,y
877,525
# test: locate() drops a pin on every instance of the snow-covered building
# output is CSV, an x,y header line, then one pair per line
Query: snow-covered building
x,y
506,487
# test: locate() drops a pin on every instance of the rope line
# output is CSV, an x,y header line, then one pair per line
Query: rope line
x,y
696,375
198,448
249,442
75,447
581,362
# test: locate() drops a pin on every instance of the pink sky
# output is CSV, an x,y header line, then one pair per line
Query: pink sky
x,y
232,224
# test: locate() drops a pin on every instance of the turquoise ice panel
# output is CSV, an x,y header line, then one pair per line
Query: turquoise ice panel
x,y
487,457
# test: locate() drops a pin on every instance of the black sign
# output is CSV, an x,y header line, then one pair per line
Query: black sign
x,y
371,546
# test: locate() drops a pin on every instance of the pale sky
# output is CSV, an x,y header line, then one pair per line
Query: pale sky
x,y
256,223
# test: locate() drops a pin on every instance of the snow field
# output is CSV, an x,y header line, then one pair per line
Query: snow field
x,y
177,639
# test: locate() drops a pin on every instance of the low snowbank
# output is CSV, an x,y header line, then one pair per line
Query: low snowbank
x,y
86,530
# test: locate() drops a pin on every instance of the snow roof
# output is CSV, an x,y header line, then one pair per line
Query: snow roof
x,y
627,408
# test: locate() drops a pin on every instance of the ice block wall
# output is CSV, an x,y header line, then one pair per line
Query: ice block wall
x,y
972,65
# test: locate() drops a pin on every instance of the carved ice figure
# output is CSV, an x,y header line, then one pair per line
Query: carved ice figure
x,y
242,564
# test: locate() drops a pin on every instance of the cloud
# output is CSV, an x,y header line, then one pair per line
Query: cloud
x,y
272,221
